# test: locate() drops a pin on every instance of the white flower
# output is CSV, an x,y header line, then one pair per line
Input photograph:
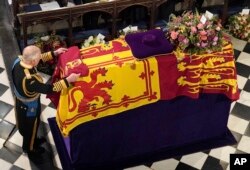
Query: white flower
x,y
86,44
45,38
102,41
218,28
100,36
90,38
97,41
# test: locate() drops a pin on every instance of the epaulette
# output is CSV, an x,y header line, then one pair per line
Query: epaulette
x,y
20,57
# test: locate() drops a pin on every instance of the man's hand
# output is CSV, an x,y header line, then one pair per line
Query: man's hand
x,y
72,77
60,51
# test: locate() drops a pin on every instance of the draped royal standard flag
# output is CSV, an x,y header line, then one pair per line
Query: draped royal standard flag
x,y
182,74
69,62
113,81
116,82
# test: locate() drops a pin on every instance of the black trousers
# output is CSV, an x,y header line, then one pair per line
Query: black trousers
x,y
27,125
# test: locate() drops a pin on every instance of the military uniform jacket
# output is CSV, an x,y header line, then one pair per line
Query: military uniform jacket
x,y
28,84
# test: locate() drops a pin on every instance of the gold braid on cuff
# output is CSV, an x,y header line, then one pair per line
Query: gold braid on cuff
x,y
46,56
58,86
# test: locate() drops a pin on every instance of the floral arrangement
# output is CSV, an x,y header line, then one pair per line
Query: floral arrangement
x,y
48,43
93,40
128,30
239,26
195,33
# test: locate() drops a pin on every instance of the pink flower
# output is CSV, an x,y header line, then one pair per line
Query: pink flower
x,y
203,44
181,38
210,38
186,41
203,37
188,23
214,43
200,26
216,38
178,19
192,36
174,35
203,33
191,16
193,29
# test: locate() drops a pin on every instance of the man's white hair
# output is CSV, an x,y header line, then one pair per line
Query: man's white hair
x,y
31,52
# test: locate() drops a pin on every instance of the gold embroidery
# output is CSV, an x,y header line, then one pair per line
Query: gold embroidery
x,y
46,56
27,73
72,64
58,86
213,71
180,55
106,47
28,93
121,41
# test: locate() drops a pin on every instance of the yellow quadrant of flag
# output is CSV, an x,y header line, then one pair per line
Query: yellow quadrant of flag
x,y
116,82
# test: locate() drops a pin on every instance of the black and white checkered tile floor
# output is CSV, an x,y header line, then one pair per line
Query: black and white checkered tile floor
x,y
11,157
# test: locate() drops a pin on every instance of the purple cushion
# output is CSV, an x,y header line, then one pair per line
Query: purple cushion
x,y
149,43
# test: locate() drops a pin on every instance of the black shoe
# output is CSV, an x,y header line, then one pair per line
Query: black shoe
x,y
39,141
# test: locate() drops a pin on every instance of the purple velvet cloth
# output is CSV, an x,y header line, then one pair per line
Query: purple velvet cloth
x,y
149,43
157,131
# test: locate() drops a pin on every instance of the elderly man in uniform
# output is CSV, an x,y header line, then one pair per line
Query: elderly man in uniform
x,y
28,85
